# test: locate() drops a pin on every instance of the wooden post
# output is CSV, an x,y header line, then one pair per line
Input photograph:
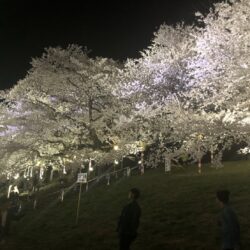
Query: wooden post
x,y
78,204
142,164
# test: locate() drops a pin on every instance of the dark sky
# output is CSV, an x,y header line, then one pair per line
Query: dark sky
x,y
117,29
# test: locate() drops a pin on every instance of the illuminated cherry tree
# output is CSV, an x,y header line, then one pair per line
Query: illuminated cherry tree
x,y
159,75
65,102
186,95
220,69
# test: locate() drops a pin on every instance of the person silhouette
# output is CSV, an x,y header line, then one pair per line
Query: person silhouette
x,y
129,220
228,222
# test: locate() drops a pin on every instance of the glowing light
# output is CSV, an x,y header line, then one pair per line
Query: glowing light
x,y
116,147
90,165
16,189
244,151
9,190
200,136
64,170
116,162
139,162
16,176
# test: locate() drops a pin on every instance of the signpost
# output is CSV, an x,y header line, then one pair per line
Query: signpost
x,y
81,178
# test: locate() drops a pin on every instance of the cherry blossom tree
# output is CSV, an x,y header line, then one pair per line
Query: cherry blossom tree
x,y
187,94
65,103
220,69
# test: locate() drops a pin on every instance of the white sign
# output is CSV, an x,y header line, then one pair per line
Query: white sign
x,y
82,178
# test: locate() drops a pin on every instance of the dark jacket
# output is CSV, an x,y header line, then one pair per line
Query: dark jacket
x,y
230,228
129,220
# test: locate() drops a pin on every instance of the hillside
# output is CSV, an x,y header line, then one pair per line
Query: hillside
x,y
179,212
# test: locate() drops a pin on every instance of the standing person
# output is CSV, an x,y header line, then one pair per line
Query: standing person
x,y
228,223
129,220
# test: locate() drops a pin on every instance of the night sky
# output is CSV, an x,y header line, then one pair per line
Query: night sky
x,y
118,29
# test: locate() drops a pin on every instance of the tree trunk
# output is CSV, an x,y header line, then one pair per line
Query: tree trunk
x,y
90,110
212,157
142,164
9,191
51,174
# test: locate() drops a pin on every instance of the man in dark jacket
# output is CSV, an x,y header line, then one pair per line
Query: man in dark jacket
x,y
228,222
129,220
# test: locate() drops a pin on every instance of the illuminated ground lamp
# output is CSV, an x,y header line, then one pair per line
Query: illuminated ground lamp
x,y
16,176
16,190
64,170
90,165
8,176
29,172
41,173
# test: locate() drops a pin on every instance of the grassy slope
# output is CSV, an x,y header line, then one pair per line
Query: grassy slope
x,y
179,212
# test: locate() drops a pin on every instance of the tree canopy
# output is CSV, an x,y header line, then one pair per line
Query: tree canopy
x,y
187,94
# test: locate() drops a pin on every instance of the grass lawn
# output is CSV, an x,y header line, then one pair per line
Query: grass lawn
x,y
179,212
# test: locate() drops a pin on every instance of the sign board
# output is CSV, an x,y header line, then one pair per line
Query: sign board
x,y
82,178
